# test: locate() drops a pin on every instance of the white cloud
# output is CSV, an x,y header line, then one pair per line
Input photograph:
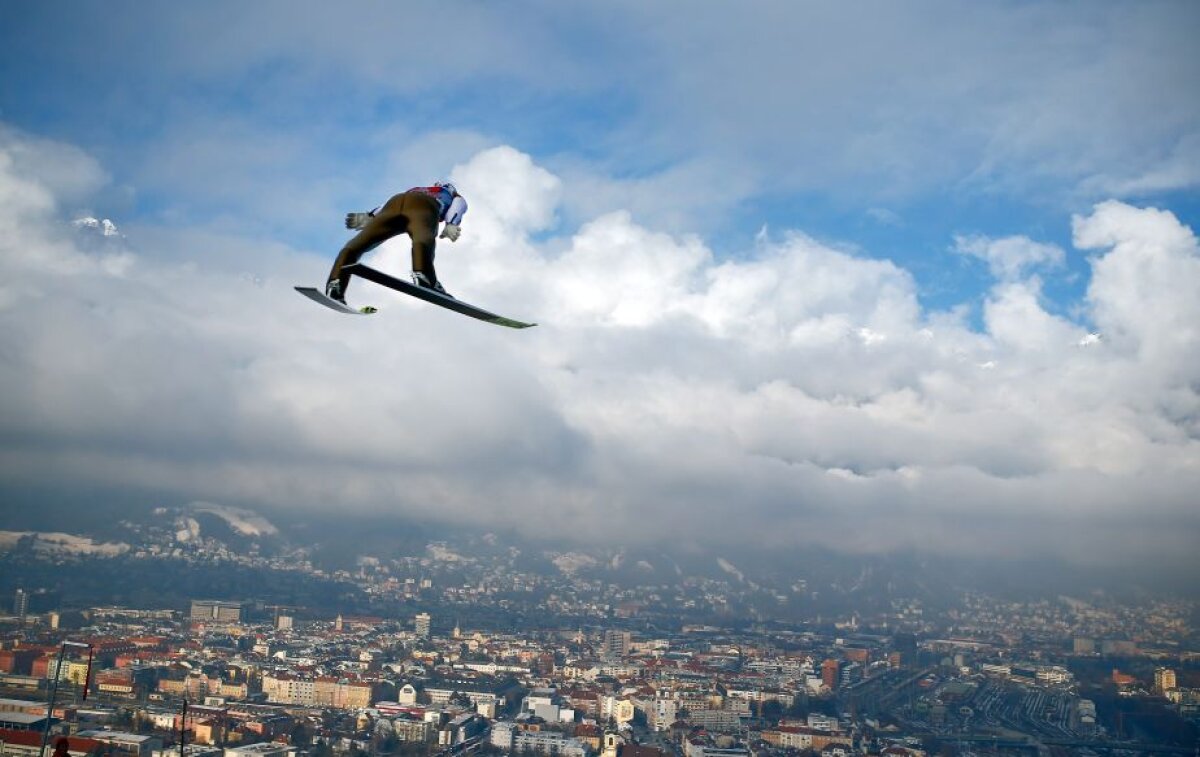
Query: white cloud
x,y
521,197
1016,320
1011,257
1144,288
66,174
795,393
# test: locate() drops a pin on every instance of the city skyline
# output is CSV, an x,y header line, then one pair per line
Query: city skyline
x,y
920,279
239,645
1017,677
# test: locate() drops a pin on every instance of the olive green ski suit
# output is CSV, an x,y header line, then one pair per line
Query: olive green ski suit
x,y
415,213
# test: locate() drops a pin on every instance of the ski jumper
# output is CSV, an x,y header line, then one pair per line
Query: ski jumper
x,y
416,212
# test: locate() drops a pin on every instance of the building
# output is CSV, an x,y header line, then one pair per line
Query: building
x,y
122,743
547,705
1164,680
411,729
1054,675
211,610
511,738
1084,717
189,750
617,643
462,728
830,673
789,737
1118,648
268,749
118,683
19,661
29,744
443,693
702,746
586,702
663,713
421,624
316,692
70,671
502,735
905,644
341,693
24,721
823,722
620,709
22,705
408,695
715,720
21,604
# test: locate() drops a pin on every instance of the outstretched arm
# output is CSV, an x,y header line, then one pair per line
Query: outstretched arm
x,y
456,211
454,215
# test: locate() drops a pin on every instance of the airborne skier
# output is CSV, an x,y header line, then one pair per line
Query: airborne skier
x,y
416,212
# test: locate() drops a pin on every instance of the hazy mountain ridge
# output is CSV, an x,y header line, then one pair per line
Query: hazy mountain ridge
x,y
56,543
203,536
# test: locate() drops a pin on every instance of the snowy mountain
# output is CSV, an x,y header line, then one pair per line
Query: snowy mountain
x,y
101,226
243,522
58,543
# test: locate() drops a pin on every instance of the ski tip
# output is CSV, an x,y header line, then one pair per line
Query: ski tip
x,y
510,323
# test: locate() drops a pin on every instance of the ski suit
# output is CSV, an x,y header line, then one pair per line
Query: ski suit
x,y
416,212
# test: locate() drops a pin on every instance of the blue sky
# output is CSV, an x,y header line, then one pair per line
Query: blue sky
x,y
721,151
892,128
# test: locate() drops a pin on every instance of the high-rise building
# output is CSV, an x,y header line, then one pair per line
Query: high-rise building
x,y
223,612
906,644
283,622
21,604
617,643
421,624
1164,680
830,671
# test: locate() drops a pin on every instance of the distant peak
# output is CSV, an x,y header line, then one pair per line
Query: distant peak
x,y
103,226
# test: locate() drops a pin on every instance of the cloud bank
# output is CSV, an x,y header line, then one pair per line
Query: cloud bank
x,y
696,109
793,394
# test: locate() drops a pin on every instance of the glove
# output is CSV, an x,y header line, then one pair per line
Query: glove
x,y
357,220
451,232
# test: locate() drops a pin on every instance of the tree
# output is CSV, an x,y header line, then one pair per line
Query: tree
x,y
772,710
388,743
799,707
301,735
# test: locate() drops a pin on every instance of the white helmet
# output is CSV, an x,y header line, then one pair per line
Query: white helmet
x,y
447,186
